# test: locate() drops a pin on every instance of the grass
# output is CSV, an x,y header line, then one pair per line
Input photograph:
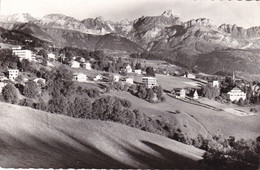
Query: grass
x,y
36,139
198,119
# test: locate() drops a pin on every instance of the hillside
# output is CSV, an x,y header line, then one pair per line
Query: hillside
x,y
32,138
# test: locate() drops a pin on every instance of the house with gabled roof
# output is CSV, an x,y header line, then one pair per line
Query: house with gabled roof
x,y
236,94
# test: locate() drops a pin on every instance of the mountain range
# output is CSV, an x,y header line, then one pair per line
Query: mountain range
x,y
196,43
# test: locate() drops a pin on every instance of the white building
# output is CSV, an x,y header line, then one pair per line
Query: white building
x,y
214,83
51,56
98,77
74,64
12,74
138,71
128,68
236,94
80,77
87,66
149,81
116,78
195,95
189,75
24,54
180,93
2,85
129,80
16,48
37,80
82,60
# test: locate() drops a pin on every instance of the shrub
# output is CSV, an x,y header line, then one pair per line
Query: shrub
x,y
9,93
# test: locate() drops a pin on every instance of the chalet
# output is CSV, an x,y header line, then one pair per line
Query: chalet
x,y
12,74
189,75
195,95
128,68
138,71
82,60
149,81
51,56
98,77
79,77
116,78
16,48
74,64
129,80
2,85
180,93
24,54
39,80
236,94
214,83
87,66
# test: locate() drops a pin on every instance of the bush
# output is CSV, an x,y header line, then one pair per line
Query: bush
x,y
9,93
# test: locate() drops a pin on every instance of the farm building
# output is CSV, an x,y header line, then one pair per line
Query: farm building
x,y
80,77
87,66
116,78
149,81
74,64
98,77
180,93
138,71
189,75
51,56
236,94
214,83
129,80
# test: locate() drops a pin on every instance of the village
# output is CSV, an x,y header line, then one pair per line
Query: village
x,y
185,86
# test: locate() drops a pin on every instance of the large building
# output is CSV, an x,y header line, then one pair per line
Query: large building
x,y
236,94
12,74
24,54
149,81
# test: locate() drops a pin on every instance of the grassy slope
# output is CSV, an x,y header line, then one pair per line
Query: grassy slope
x,y
197,118
32,138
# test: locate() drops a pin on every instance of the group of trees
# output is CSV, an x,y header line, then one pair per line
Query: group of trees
x,y
229,153
152,95
210,92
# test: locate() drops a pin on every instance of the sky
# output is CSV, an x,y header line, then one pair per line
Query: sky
x,y
242,13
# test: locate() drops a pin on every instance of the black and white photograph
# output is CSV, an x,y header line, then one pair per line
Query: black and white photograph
x,y
130,84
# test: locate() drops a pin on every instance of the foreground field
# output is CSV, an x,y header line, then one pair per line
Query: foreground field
x,y
32,138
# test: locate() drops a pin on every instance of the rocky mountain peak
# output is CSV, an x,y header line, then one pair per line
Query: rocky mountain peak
x,y
199,22
168,13
18,17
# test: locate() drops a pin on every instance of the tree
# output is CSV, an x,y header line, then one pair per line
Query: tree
x,y
138,66
31,89
80,108
9,93
150,71
60,82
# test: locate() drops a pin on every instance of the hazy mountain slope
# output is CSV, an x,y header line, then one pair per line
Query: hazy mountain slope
x,y
18,17
32,138
115,42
